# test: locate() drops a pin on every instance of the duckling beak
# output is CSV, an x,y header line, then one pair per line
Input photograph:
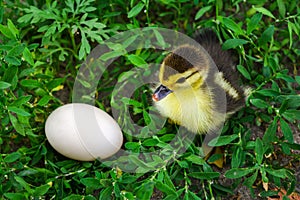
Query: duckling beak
x,y
161,92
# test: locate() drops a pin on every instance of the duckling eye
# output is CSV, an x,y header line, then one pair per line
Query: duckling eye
x,y
181,80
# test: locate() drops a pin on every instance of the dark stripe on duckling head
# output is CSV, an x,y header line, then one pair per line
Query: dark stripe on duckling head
x,y
183,59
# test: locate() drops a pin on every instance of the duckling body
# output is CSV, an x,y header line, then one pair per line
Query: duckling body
x,y
191,87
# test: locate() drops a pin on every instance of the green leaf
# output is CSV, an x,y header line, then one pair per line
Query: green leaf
x,y
44,100
15,196
111,54
268,92
41,190
150,142
254,21
145,191
4,85
10,74
229,23
259,150
139,162
24,184
91,182
13,29
259,103
281,8
195,159
12,60
238,172
244,72
30,83
6,32
292,114
106,193
233,43
250,180
287,131
297,78
12,157
28,56
202,11
264,11
266,36
222,140
205,175
18,111
269,135
165,188
132,145
137,61
159,38
135,10
17,125
280,173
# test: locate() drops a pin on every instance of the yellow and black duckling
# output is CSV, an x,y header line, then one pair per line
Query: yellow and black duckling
x,y
190,86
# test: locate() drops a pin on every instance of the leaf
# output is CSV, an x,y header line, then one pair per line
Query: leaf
x,y
222,140
137,61
4,85
238,172
250,180
259,103
165,188
91,182
202,11
266,36
233,43
12,28
292,114
28,56
135,10
159,38
286,130
41,190
145,191
18,111
15,196
12,157
195,159
17,125
205,175
259,151
268,92
24,184
6,32
229,23
13,60
269,135
150,142
244,72
280,173
10,73
281,8
111,54
30,83
106,193
264,11
254,21
44,100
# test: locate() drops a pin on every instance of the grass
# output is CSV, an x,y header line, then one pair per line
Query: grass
x,y
43,45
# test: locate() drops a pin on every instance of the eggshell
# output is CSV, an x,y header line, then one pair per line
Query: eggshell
x,y
83,132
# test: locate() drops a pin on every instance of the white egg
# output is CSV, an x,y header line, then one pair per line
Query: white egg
x,y
83,132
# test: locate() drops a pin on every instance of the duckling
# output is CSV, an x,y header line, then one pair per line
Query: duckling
x,y
191,88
